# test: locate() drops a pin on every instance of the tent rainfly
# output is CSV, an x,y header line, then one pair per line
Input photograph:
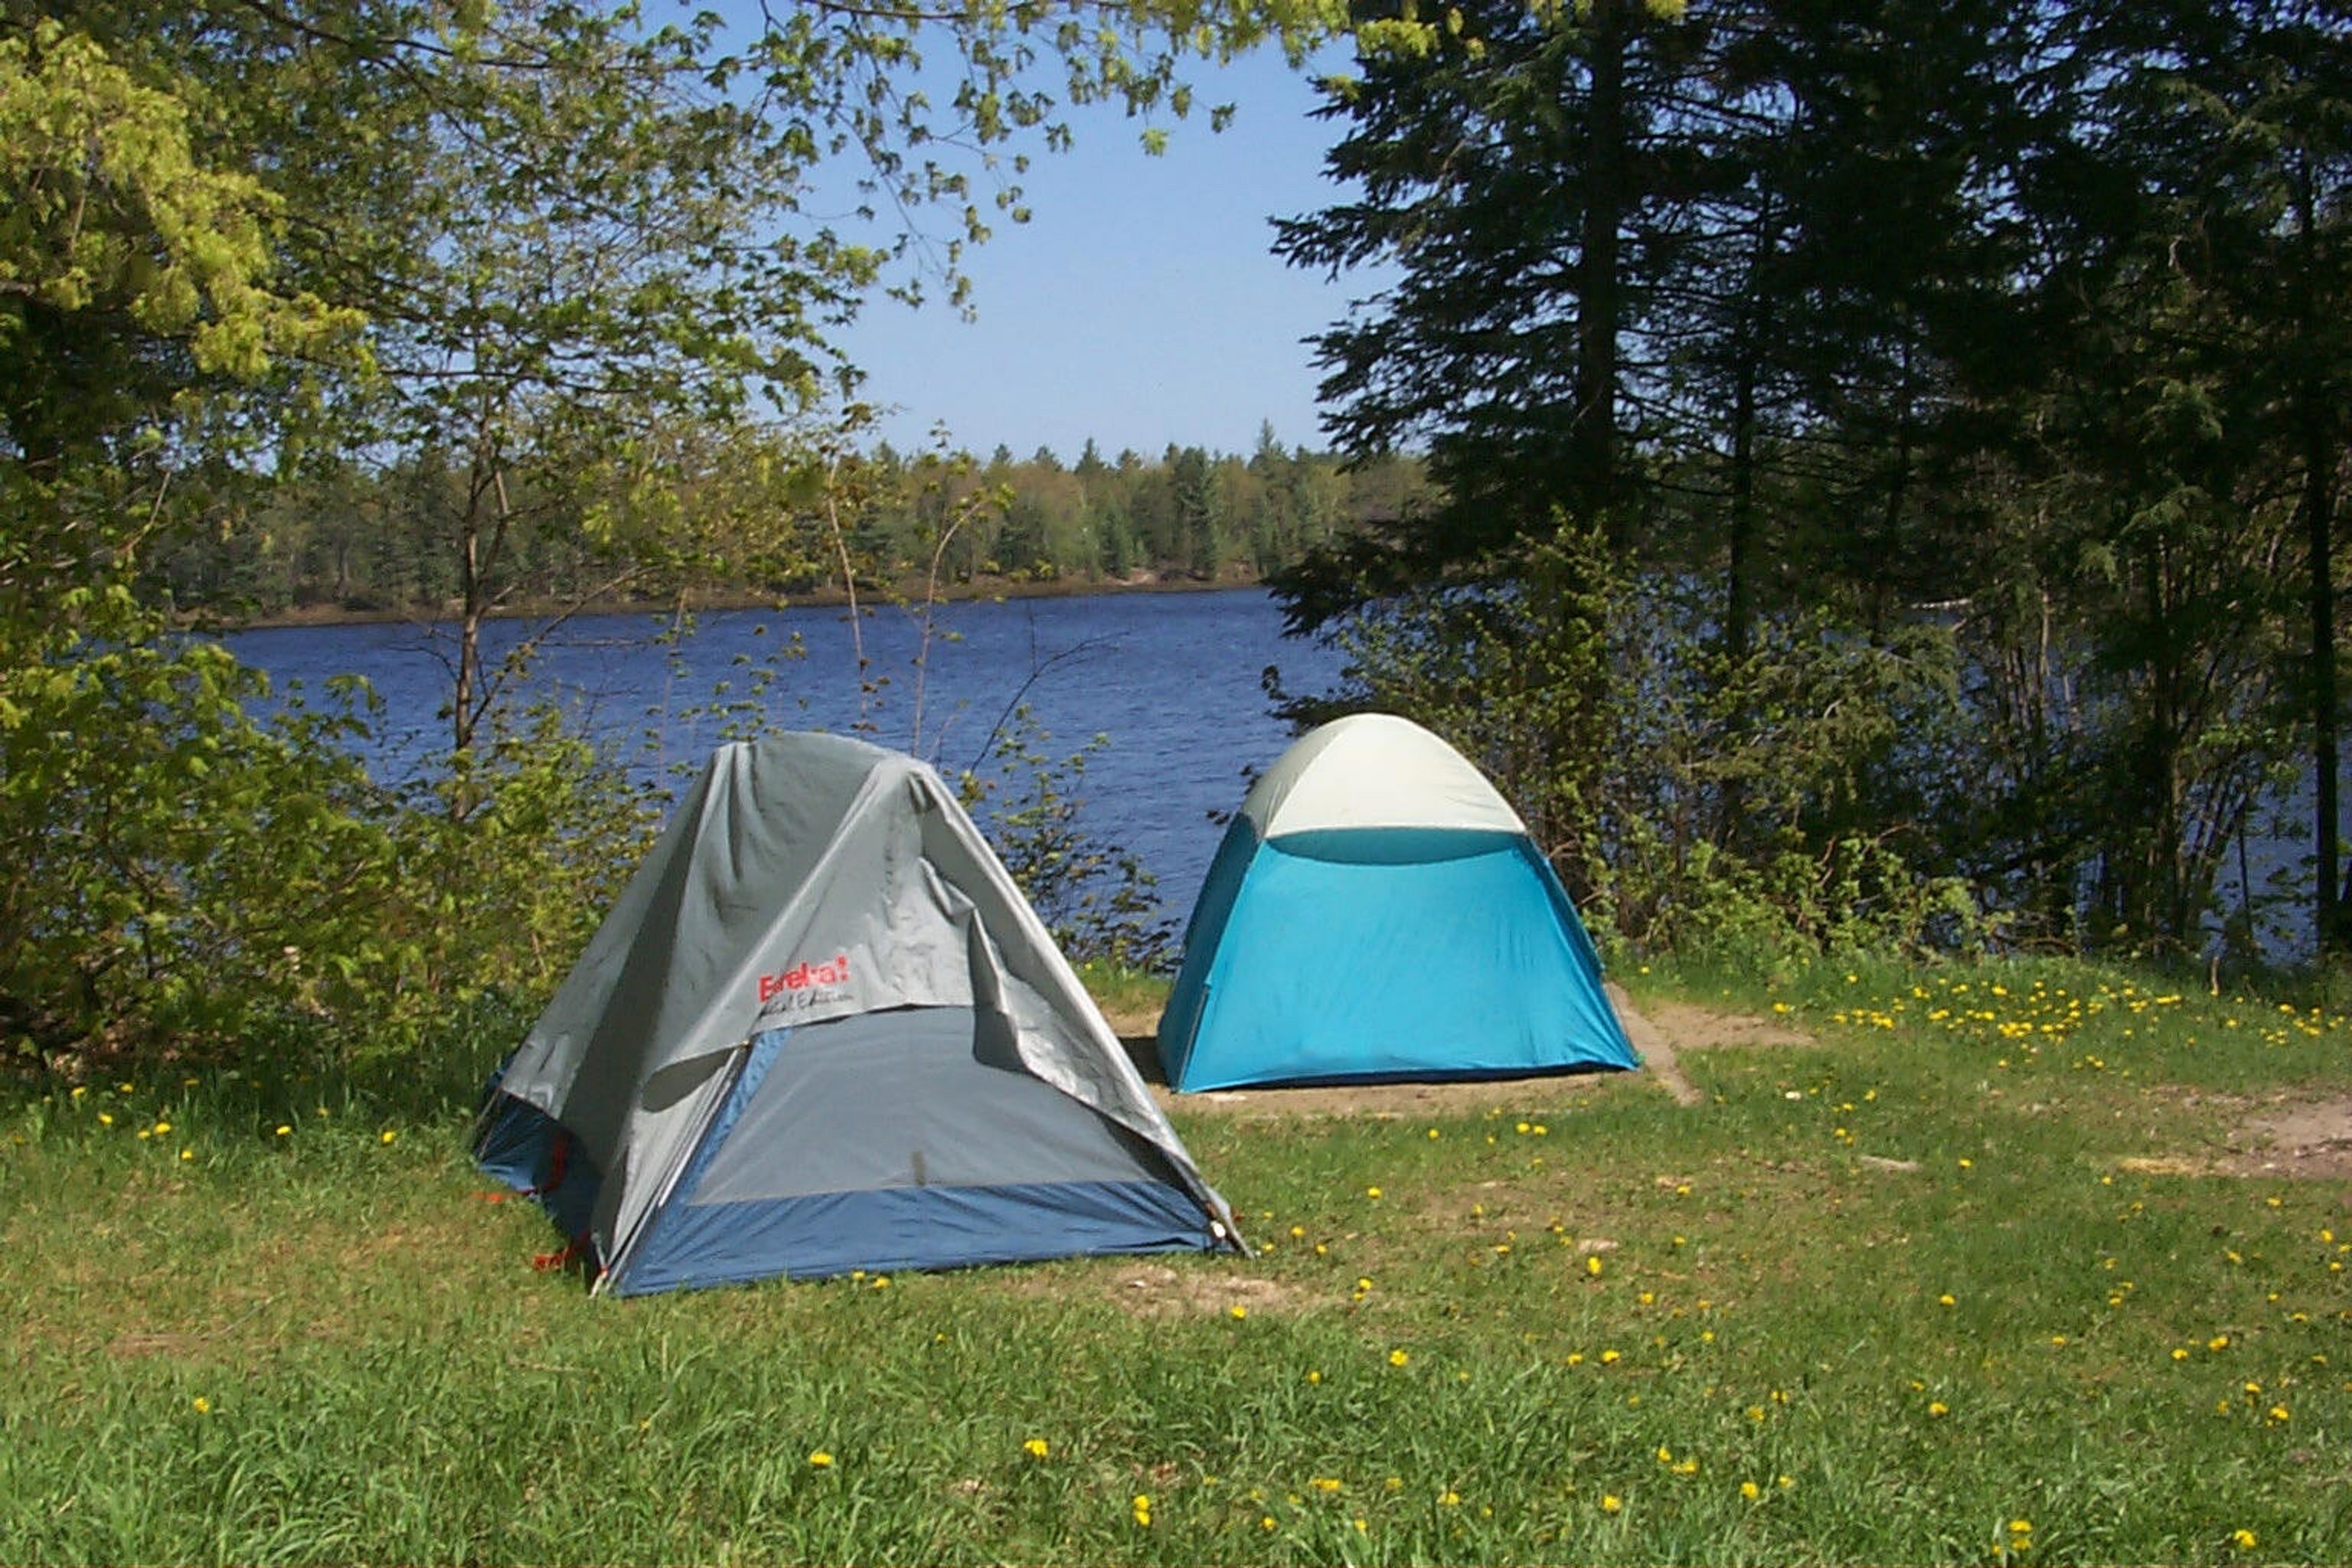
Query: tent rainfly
x,y
1377,911
822,1030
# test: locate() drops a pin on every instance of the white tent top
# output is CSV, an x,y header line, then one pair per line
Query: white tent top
x,y
1374,769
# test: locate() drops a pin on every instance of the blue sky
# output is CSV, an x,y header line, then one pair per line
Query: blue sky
x,y
1140,304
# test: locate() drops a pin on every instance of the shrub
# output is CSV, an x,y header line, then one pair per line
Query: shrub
x,y
1100,904
1689,799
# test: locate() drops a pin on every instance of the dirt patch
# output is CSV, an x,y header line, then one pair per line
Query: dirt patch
x,y
1158,1290
2166,1165
1657,1046
1694,1028
1380,1101
2279,1134
1659,1033
2305,1139
1135,1027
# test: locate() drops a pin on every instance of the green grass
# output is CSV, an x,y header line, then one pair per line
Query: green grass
x,y
233,1345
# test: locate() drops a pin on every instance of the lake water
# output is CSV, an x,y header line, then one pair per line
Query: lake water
x,y
1173,679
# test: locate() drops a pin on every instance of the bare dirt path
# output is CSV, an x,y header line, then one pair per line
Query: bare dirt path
x,y
1660,1031
2276,1134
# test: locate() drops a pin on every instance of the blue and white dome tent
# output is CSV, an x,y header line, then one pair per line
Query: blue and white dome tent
x,y
1377,911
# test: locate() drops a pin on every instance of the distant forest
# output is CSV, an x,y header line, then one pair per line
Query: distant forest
x,y
380,543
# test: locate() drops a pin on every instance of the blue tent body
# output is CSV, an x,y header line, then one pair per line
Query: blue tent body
x,y
1377,912
848,1145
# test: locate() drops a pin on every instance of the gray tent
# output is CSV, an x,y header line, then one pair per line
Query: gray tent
x,y
822,1030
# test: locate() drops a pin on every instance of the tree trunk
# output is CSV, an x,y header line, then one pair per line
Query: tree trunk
x,y
1739,611
1599,306
2330,894
2319,532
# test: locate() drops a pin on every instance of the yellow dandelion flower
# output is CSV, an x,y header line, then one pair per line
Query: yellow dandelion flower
x,y
1037,1447
2020,1526
2180,1353
1371,1191
1945,1299
1938,1407
820,1458
1750,1490
1325,1483
1398,1357
105,1119
2243,1540
284,1131
1610,1358
2218,1342
162,1127
1265,1522
1238,1311
202,1406
1593,1265
1313,1377
1611,1502
1451,1499
388,1136
188,1154
2278,1413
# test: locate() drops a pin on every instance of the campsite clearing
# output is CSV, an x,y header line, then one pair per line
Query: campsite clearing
x,y
2002,1264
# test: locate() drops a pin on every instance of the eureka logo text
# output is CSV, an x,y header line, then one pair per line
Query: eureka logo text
x,y
802,975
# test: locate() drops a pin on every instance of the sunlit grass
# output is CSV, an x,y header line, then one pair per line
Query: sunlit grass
x,y
1974,1278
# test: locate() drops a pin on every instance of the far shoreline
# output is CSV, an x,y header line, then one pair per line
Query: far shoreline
x,y
978,590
